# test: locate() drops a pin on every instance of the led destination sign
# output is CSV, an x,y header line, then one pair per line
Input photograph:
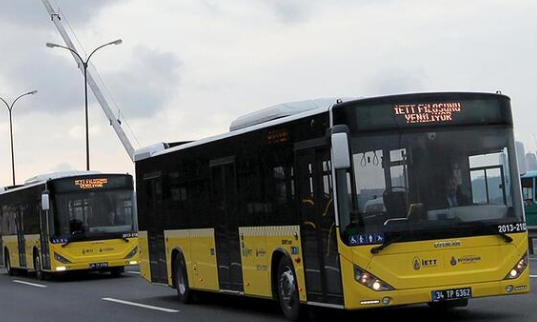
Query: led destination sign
x,y
91,183
428,113
411,111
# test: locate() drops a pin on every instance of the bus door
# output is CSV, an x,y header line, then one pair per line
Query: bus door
x,y
20,237
318,226
45,223
155,231
228,252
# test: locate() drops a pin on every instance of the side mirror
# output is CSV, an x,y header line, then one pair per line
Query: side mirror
x,y
341,158
45,202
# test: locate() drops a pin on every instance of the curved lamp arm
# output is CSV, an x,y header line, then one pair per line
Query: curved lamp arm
x,y
10,107
115,42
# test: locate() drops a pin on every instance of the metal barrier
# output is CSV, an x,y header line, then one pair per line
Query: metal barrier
x,y
532,233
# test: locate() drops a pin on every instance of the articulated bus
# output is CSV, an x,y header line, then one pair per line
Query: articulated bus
x,y
373,202
529,193
69,221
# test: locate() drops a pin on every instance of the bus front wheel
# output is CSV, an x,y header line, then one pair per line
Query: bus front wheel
x,y
39,274
288,291
181,281
9,269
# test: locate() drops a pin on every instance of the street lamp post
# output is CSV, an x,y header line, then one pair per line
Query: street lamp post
x,y
85,66
10,110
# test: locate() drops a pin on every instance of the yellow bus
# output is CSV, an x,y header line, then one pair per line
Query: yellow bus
x,y
69,221
364,203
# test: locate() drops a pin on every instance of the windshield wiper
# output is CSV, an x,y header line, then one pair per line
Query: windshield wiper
x,y
386,243
505,237
123,237
71,239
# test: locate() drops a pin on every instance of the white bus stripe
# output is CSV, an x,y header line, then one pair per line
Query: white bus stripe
x,y
29,284
150,307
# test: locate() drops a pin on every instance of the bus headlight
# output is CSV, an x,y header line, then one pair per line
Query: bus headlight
x,y
61,259
133,252
516,271
370,280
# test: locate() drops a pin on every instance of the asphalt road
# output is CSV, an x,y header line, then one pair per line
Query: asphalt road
x,y
99,297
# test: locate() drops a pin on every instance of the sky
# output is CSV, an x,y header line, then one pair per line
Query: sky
x,y
187,69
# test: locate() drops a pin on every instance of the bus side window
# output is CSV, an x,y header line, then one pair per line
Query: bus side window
x,y
528,192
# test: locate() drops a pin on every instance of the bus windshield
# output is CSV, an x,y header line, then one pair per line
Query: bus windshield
x,y
94,214
432,183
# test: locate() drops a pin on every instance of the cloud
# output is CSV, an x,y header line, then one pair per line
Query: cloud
x,y
147,83
290,11
142,86
34,66
29,13
62,167
396,81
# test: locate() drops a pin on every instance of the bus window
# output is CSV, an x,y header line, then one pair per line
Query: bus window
x,y
528,191
409,182
488,178
92,213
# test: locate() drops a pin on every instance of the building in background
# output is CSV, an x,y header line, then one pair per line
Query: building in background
x,y
521,157
531,162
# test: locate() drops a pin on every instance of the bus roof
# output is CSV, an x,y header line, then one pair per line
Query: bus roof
x,y
42,178
530,174
57,175
306,112
282,113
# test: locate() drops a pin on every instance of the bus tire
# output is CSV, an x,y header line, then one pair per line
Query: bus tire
x,y
287,289
39,274
9,269
184,293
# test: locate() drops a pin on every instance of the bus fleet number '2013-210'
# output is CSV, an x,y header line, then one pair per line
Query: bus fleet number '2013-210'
x,y
512,228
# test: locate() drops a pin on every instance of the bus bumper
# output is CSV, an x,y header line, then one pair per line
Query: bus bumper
x,y
94,266
361,299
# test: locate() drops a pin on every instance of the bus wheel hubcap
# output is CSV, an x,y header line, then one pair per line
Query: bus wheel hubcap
x,y
37,265
181,282
287,288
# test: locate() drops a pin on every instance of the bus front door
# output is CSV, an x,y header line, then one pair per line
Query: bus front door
x,y
155,232
228,253
45,224
318,228
21,239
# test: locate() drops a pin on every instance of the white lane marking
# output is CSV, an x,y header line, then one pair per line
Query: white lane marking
x,y
135,273
156,308
533,276
29,284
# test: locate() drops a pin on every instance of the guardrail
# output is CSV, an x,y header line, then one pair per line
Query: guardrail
x,y
532,233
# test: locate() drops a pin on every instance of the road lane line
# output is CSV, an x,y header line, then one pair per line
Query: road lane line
x,y
135,273
29,284
150,307
533,276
